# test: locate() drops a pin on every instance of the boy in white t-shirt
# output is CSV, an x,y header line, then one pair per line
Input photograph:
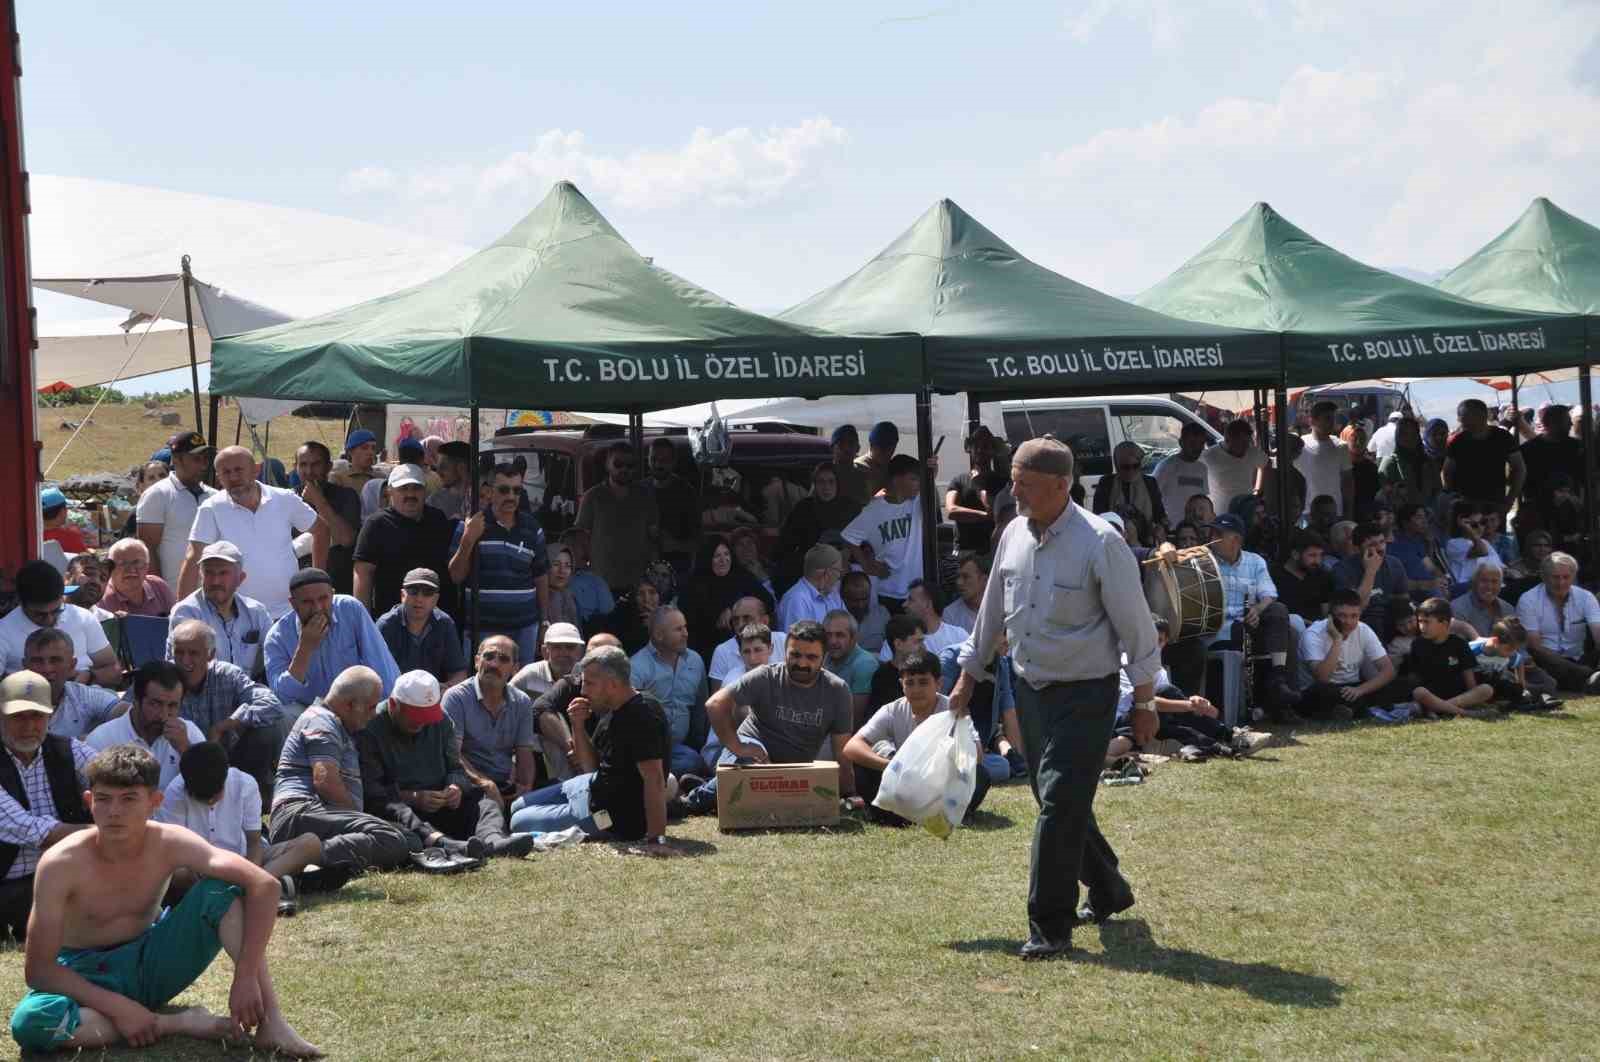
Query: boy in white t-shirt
x,y
885,538
223,805
1348,669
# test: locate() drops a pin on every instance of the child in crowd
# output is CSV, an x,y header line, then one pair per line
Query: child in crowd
x,y
1403,621
223,805
1503,663
755,650
1190,727
1443,666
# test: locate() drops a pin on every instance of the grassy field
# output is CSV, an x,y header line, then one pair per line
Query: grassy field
x,y
1423,891
121,436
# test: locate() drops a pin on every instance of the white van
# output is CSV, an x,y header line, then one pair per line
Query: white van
x,y
1093,427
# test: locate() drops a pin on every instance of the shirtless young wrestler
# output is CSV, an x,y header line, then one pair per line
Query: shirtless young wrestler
x,y
100,951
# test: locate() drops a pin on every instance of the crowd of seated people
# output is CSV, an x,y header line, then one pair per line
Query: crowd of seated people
x,y
319,668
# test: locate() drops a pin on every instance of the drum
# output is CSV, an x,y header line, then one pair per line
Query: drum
x,y
1187,591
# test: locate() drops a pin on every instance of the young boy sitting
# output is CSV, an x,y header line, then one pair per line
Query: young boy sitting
x,y
1443,665
223,805
101,952
755,650
1403,621
1185,722
1503,662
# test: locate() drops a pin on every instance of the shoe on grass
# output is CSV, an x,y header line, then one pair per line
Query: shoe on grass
x,y
1040,949
514,846
1162,747
288,897
1249,742
1593,685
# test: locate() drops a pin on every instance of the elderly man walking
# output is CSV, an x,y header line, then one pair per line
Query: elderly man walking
x,y
1066,594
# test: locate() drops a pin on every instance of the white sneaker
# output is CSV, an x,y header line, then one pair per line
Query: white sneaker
x,y
1249,742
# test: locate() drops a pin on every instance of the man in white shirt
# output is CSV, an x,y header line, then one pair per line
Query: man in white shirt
x,y
923,606
155,722
262,522
1382,443
1336,652
563,648
1558,616
78,708
1183,475
41,603
167,508
726,663
972,578
885,538
240,623
1325,461
223,805
1234,466
816,592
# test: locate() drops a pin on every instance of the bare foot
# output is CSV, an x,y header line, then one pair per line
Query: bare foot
x,y
197,1022
275,1034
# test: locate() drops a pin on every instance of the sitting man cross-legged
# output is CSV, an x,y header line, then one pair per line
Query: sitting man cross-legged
x,y
493,722
793,707
411,771
870,749
623,789
1563,623
675,675
223,805
1443,666
550,707
79,709
101,952
41,792
1335,651
227,705
319,787
322,635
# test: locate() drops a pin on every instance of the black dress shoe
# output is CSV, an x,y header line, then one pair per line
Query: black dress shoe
x,y
1039,948
1093,913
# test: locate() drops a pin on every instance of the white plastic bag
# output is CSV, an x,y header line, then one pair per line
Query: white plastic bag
x,y
931,779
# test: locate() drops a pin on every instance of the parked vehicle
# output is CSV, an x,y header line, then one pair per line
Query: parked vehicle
x,y
1093,427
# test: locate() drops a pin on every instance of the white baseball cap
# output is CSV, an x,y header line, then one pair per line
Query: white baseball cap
x,y
25,691
417,694
407,476
563,634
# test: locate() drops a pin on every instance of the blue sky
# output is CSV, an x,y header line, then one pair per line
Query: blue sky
x,y
764,151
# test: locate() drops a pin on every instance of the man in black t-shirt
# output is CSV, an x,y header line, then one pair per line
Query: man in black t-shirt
x,y
1551,454
1303,583
624,789
1443,666
968,501
1477,457
408,534
339,507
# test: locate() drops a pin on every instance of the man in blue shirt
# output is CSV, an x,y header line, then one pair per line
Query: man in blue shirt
x,y
666,670
513,580
420,635
322,634
590,591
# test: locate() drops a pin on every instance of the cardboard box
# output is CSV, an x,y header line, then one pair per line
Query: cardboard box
x,y
770,795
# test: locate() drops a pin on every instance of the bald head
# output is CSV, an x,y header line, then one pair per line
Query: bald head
x,y
236,470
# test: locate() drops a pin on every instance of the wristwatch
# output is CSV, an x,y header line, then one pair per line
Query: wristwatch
x,y
1144,706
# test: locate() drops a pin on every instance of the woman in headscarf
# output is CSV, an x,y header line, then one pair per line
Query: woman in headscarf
x,y
1362,468
710,592
819,512
1435,438
747,557
1408,467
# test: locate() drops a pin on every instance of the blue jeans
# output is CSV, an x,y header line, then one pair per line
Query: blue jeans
x,y
708,792
686,760
997,766
555,807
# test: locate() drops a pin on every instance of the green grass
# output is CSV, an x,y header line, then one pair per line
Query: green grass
x,y
1421,891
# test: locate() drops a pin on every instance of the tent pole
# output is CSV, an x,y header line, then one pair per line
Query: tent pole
x,y
1281,411
238,428
636,439
1586,396
216,411
930,513
974,413
477,493
194,361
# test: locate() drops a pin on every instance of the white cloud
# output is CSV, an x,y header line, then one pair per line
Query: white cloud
x,y
737,167
1416,151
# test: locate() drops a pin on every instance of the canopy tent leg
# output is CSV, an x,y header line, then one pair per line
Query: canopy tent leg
x,y
930,510
216,411
477,493
1280,409
238,428
1516,408
194,361
1586,397
1258,400
974,412
636,440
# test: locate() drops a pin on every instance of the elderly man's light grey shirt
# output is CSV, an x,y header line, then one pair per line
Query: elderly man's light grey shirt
x,y
1071,601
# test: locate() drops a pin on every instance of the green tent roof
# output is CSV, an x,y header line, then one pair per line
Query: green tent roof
x,y
559,313
1547,260
1343,320
993,322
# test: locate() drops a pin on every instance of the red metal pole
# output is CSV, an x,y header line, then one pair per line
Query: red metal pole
x,y
19,447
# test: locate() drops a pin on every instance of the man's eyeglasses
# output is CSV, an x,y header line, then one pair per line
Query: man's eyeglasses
x,y
494,654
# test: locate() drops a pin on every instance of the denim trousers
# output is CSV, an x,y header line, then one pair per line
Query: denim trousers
x,y
1066,727
555,807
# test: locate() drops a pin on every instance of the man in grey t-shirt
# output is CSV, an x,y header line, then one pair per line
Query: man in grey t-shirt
x,y
318,787
793,706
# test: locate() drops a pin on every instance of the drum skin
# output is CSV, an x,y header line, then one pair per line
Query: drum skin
x,y
1186,589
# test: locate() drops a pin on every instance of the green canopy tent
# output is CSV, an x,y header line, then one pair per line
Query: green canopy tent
x,y
1343,320
559,313
1547,260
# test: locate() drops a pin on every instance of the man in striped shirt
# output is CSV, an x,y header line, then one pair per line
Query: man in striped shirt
x,y
513,566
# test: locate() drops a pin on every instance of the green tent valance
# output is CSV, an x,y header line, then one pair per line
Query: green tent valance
x,y
1342,320
995,323
560,313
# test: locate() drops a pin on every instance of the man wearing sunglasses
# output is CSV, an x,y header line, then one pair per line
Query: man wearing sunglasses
x,y
41,603
623,523
513,565
493,723
1130,488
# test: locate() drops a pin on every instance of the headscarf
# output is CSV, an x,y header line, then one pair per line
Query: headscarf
x,y
705,594
1427,434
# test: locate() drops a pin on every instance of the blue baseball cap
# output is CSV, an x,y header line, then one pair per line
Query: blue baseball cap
x,y
884,433
164,455
1229,522
359,437
410,450
51,498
